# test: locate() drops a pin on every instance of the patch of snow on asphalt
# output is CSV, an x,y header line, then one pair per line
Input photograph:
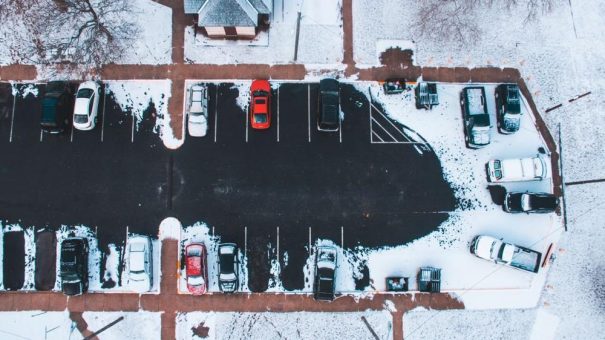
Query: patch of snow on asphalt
x,y
243,97
137,96
296,325
30,257
25,90
112,263
134,325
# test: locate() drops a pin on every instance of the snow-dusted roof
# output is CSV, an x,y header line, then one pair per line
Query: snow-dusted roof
x,y
227,12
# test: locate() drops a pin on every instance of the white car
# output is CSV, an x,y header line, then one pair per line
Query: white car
x,y
197,111
87,105
140,263
519,169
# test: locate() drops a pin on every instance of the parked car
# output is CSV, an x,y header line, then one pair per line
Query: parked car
x,y
196,268
74,266
394,86
329,105
140,263
57,105
493,249
426,95
228,263
260,106
45,260
197,111
518,169
529,202
325,273
87,105
508,108
476,118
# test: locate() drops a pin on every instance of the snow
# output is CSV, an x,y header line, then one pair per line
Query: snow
x,y
135,325
297,325
135,96
36,325
170,229
545,326
112,263
243,97
320,38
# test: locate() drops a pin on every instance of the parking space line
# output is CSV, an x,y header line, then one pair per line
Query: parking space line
x,y
390,122
278,244
370,119
342,237
278,114
385,130
103,115
212,231
245,240
132,135
41,134
309,240
10,138
375,134
340,128
309,109
246,119
71,138
215,112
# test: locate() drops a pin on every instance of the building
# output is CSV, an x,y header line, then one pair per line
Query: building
x,y
230,19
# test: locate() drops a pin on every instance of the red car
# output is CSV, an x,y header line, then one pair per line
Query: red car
x,y
260,106
196,268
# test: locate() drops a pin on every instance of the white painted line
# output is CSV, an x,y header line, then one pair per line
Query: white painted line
x,y
103,116
10,139
375,134
340,128
215,111
309,109
41,134
132,135
246,118
212,231
245,240
370,118
71,139
406,143
342,237
388,120
96,231
278,114
277,243
309,240
385,130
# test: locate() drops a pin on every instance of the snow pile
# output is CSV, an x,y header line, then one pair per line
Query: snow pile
x,y
320,38
25,90
299,325
170,229
112,264
137,96
243,97
37,325
135,325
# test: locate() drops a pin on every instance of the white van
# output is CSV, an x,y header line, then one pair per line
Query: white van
x,y
519,169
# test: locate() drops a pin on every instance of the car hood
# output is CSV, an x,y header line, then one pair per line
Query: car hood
x,y
139,283
197,127
72,288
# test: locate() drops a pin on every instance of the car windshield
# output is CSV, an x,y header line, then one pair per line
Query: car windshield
x,y
260,118
80,118
85,93
260,93
227,262
525,202
195,280
498,174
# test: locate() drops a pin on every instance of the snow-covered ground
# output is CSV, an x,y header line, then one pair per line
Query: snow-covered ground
x,y
299,325
135,325
153,45
320,38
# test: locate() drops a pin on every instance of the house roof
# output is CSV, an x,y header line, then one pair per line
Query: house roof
x,y
227,12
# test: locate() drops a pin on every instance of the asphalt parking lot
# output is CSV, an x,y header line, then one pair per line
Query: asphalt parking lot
x,y
273,192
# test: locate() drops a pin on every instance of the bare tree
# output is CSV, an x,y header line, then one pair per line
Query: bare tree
x,y
87,32
455,19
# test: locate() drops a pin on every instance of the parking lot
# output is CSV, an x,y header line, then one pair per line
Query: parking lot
x,y
272,192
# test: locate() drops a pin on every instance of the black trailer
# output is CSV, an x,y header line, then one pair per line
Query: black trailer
x,y
426,95
429,280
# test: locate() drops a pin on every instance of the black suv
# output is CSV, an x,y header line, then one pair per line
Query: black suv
x,y
527,202
508,108
329,105
74,266
57,107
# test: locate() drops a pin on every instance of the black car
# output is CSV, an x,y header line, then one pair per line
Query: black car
x,y
228,264
74,266
57,107
325,273
329,105
515,202
508,108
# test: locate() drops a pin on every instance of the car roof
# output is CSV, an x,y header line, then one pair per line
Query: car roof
x,y
328,84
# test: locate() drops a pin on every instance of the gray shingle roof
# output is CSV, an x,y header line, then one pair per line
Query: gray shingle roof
x,y
227,12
